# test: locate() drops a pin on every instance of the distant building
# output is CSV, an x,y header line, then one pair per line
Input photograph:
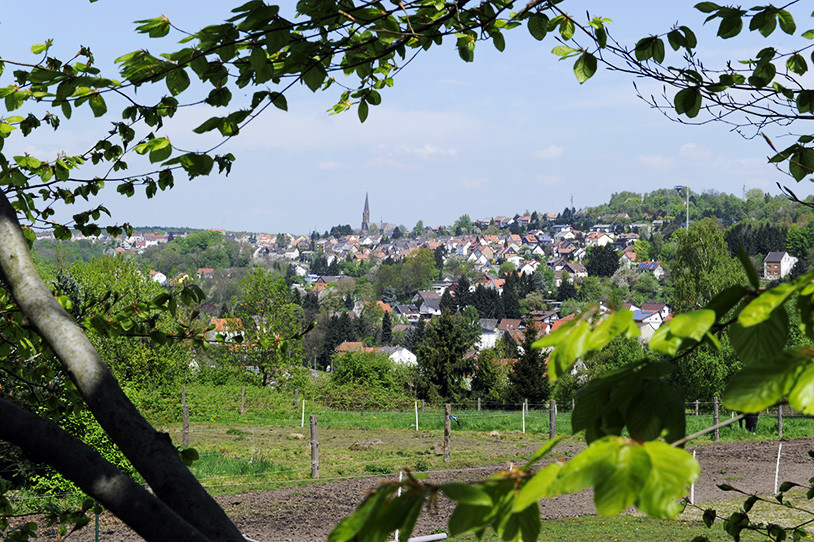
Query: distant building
x,y
366,216
777,265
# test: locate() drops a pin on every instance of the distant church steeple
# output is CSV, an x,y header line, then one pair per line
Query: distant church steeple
x,y
366,216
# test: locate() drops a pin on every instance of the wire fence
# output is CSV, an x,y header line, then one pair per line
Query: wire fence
x,y
240,440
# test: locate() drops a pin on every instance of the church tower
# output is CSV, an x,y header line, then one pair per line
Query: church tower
x,y
366,216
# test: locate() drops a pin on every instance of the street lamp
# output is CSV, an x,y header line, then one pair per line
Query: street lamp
x,y
679,188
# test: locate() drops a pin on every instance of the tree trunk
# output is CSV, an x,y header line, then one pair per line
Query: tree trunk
x,y
151,453
44,441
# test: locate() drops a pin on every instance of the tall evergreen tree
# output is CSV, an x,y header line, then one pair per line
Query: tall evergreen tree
x,y
602,261
463,296
447,303
414,336
387,329
441,362
528,378
510,302
566,290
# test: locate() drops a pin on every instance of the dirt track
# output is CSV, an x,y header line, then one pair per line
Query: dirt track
x,y
309,513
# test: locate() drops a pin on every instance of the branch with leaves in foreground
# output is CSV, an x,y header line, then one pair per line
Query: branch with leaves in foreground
x,y
633,418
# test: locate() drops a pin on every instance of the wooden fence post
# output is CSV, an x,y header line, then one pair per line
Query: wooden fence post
x,y
552,419
447,431
314,448
779,421
696,407
363,407
185,410
478,404
296,398
422,406
242,400
715,417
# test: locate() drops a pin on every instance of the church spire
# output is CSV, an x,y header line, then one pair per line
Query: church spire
x,y
366,216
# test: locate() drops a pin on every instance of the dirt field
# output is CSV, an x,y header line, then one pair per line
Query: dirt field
x,y
309,513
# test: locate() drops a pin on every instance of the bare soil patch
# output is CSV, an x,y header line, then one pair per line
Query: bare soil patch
x,y
310,512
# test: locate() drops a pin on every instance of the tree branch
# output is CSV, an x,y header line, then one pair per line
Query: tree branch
x,y
151,453
46,442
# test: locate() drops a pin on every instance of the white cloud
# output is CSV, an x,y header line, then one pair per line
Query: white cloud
x,y
552,151
691,150
657,161
330,165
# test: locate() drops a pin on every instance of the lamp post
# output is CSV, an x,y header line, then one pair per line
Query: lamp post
x,y
679,188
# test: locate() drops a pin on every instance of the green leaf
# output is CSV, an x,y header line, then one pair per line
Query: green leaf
x,y
585,67
564,51
762,340
672,471
189,456
539,487
528,522
730,26
567,29
567,352
707,7
797,64
156,28
467,518
726,300
709,517
622,487
687,101
362,111
208,125
97,104
749,267
39,48
761,385
177,81
538,24
669,337
763,74
761,308
499,41
589,467
801,395
615,324
786,21
809,34
466,494
314,76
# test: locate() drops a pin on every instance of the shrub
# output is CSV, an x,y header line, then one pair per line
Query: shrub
x,y
363,368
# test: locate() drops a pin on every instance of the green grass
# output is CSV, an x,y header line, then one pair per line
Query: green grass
x,y
263,407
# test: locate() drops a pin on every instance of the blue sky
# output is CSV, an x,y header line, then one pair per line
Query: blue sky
x,y
511,131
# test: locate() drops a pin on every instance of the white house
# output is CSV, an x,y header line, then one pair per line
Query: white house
x,y
428,302
777,265
158,276
399,354
652,318
488,334
661,308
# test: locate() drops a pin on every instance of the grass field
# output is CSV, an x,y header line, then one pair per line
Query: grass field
x,y
268,445
208,404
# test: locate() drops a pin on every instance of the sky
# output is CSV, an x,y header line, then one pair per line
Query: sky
x,y
510,132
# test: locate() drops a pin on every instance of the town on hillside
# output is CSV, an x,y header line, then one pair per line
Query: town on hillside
x,y
501,281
